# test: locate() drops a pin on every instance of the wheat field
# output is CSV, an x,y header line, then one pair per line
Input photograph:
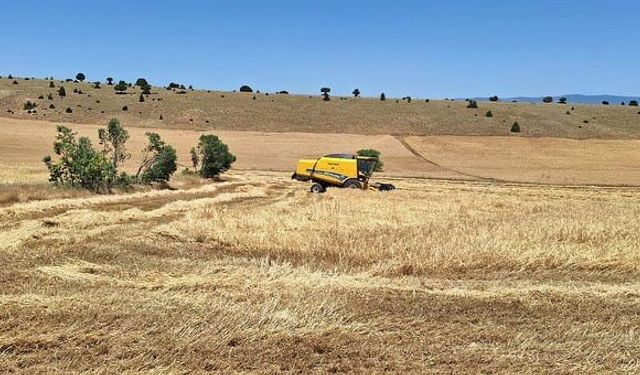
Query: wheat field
x,y
255,274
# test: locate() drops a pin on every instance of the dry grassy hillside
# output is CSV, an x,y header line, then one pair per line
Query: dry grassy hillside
x,y
292,113
256,275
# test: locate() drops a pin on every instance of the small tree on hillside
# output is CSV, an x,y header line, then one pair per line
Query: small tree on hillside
x,y
547,99
472,104
158,161
141,98
633,103
146,89
494,98
383,97
62,92
80,77
374,154
51,85
121,87
109,81
246,88
141,82
211,156
515,128
96,85
113,140
356,93
562,100
604,102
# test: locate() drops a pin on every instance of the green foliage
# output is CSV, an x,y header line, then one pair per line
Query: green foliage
x,y
325,90
79,164
547,99
494,98
246,88
29,105
141,82
374,154
96,85
562,100
141,99
113,140
515,128
211,156
604,102
356,92
109,81
80,77
62,92
472,104
146,89
488,114
158,162
121,87
69,110
51,84
633,103
383,97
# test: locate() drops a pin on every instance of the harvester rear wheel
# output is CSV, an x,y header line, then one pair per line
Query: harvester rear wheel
x,y
353,184
317,188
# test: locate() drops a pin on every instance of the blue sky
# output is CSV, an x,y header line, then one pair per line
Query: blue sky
x,y
425,48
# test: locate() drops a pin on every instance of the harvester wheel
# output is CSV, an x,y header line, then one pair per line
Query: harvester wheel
x,y
317,188
353,184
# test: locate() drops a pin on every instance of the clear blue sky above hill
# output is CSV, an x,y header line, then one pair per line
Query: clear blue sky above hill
x,y
425,48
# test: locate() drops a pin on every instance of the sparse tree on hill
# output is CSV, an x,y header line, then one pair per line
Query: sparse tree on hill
x,y
547,99
62,92
96,85
109,81
50,96
472,104
246,88
80,77
383,97
494,98
633,103
489,114
356,93
121,87
515,128
604,102
211,156
325,90
141,82
146,89
51,85
562,100
141,99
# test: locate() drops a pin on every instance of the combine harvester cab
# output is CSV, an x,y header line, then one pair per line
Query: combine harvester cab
x,y
338,170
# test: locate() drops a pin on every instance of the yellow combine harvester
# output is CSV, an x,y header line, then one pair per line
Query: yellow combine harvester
x,y
339,170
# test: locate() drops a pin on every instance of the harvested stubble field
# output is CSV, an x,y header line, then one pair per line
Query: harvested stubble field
x,y
254,274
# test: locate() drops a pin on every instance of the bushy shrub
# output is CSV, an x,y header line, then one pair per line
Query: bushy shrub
x,y
146,89
356,93
51,84
158,161
211,156
109,81
125,108
69,110
29,105
488,114
604,102
374,154
141,82
80,77
41,97
79,164
121,87
62,92
75,91
141,98
472,104
515,128
96,85
325,97
547,99
14,82
494,98
51,106
246,88
633,103
562,100
174,85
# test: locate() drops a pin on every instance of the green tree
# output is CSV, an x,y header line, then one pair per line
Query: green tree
x,y
246,88
633,103
211,156
494,98
62,92
374,154
562,100
141,82
146,89
158,161
547,99
51,85
109,81
515,128
80,77
141,99
356,93
113,140
79,164
383,97
121,87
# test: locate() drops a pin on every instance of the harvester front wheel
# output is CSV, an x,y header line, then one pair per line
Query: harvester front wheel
x,y
353,184
317,188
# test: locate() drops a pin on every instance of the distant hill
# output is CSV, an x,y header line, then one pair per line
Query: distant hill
x,y
177,108
572,98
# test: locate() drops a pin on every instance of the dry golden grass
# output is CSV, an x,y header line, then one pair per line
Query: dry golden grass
x,y
201,110
256,275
